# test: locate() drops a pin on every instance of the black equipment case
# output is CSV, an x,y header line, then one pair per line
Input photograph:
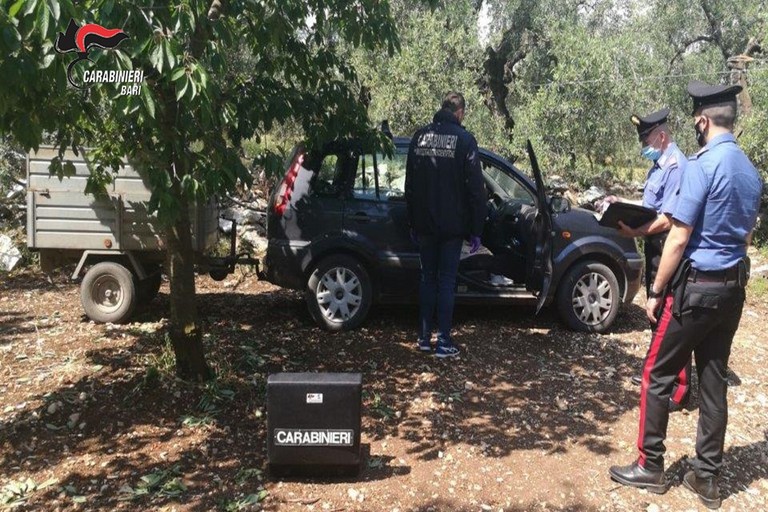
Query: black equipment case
x,y
313,424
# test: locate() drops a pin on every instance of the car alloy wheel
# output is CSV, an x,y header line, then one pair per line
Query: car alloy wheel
x,y
588,297
592,299
339,294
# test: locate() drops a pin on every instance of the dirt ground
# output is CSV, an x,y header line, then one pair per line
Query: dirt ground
x,y
529,418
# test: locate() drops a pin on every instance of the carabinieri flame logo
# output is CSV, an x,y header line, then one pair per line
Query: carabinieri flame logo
x,y
82,39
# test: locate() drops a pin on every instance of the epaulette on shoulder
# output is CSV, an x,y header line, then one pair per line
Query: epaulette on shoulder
x,y
697,155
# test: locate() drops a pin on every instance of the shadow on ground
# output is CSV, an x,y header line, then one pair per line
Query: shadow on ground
x,y
521,383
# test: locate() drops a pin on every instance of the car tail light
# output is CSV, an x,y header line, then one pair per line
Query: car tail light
x,y
283,196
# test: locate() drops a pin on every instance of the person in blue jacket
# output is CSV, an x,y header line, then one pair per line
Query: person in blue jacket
x,y
446,199
698,295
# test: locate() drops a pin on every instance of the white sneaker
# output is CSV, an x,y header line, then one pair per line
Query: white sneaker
x,y
497,280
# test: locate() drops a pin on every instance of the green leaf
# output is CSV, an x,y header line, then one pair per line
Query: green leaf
x,y
48,57
43,19
170,58
148,102
15,8
194,89
47,483
180,91
178,74
31,5
123,60
12,39
55,9
156,58
203,77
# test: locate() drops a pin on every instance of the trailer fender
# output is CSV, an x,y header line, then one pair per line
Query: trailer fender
x,y
138,268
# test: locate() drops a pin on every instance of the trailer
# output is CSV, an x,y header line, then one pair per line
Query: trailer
x,y
117,244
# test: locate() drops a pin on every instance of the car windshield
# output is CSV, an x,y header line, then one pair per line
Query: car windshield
x,y
513,188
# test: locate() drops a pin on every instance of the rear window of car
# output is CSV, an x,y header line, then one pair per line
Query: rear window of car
x,y
387,172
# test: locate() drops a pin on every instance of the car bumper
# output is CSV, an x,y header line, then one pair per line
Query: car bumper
x,y
283,263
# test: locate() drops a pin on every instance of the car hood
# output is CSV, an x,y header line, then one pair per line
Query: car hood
x,y
581,222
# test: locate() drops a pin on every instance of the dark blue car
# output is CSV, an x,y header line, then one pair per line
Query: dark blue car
x,y
338,230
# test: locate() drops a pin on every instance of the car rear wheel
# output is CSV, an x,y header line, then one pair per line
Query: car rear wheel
x,y
339,293
588,297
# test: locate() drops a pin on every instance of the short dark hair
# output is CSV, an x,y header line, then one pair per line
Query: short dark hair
x,y
722,114
454,101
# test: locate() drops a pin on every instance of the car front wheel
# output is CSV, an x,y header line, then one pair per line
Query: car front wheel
x,y
339,293
588,297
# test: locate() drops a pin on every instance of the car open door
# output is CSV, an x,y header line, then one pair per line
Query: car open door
x,y
539,274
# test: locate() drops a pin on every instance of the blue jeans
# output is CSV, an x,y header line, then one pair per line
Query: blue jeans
x,y
439,266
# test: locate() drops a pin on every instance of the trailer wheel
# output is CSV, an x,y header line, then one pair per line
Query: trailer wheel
x,y
108,293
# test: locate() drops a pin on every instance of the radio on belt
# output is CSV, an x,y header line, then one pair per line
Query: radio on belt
x,y
313,424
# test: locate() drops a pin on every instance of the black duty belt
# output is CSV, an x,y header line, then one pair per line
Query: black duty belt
x,y
714,276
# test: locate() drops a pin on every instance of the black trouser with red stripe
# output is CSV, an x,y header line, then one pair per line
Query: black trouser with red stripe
x,y
709,317
654,245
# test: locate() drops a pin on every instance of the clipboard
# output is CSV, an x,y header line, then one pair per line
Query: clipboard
x,y
632,215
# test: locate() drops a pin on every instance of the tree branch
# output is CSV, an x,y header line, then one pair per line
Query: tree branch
x,y
687,44
754,46
714,26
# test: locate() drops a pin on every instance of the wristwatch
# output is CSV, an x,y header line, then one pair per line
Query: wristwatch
x,y
655,295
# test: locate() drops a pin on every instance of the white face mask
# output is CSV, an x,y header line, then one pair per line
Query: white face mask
x,y
650,152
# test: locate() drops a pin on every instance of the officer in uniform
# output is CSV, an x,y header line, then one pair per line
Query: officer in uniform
x,y
698,295
660,194
446,200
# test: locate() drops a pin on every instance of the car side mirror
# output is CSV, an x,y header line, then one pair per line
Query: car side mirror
x,y
559,204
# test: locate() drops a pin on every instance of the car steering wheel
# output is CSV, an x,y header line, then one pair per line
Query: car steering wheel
x,y
496,200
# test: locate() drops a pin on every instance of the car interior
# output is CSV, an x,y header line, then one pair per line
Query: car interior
x,y
505,251
502,260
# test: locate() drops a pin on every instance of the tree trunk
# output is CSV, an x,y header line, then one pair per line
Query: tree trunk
x,y
186,336
498,67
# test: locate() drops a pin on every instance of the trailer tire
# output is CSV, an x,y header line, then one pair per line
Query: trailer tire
x,y
108,293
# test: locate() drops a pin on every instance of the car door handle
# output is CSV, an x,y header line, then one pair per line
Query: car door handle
x,y
360,217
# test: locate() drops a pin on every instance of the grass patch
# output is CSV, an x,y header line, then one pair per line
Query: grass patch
x,y
165,361
16,494
246,474
160,483
758,287
244,503
377,405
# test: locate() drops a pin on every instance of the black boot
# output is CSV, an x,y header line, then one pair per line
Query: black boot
x,y
636,475
675,406
705,488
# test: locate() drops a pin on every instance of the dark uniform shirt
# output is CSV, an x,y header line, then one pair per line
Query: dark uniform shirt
x,y
719,197
444,186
